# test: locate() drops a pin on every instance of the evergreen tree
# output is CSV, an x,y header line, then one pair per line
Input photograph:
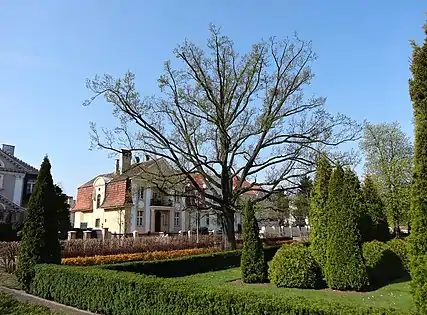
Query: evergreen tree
x,y
253,264
345,269
39,242
63,209
418,93
302,200
375,210
318,211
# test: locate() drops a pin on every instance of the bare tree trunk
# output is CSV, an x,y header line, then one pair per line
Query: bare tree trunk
x,y
229,235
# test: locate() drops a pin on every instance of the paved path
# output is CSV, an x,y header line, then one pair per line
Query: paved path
x,y
22,296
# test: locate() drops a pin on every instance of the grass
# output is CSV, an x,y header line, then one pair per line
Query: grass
x,y
11,306
8,280
396,295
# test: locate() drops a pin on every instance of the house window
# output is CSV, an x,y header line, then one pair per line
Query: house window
x,y
140,218
98,201
1,163
177,197
141,193
83,225
97,223
207,220
1,181
177,219
30,187
1,216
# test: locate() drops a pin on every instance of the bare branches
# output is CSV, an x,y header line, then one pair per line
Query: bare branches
x,y
241,122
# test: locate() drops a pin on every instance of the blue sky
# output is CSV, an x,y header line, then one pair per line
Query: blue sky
x,y
48,48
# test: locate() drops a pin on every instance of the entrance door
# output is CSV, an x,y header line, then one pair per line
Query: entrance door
x,y
157,221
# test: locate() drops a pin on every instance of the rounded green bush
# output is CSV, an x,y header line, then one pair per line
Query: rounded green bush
x,y
401,249
382,263
293,266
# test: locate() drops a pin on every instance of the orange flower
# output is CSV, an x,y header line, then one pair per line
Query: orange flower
x,y
146,256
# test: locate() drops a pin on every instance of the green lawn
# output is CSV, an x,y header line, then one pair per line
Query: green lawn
x,y
11,306
395,295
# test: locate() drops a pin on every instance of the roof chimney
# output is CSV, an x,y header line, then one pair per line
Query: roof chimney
x,y
9,149
126,160
117,169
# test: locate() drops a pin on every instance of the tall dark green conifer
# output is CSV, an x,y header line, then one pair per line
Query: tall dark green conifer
x,y
345,269
418,93
318,211
39,242
63,209
253,264
375,209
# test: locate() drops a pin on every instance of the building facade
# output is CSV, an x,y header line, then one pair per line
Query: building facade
x,y
125,201
17,181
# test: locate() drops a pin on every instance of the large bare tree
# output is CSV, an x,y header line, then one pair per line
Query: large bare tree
x,y
232,118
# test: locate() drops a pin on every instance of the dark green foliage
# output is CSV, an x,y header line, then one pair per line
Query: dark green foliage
x,y
8,233
418,93
302,200
401,249
183,266
253,264
375,210
118,293
39,242
382,263
318,211
63,209
293,266
345,269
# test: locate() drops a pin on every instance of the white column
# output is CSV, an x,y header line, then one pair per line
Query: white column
x,y
147,210
183,221
19,189
133,210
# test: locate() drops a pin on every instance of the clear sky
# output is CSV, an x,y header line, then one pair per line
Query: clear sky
x,y
49,47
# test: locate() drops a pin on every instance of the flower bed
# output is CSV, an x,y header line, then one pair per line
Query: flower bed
x,y
145,256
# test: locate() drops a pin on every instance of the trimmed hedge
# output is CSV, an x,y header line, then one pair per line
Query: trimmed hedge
x,y
401,249
382,264
184,266
293,266
122,293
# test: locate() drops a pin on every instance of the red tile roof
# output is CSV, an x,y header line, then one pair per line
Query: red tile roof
x,y
84,199
253,189
115,194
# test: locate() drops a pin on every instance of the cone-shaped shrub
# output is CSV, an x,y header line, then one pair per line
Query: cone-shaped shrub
x,y
418,260
345,269
318,211
39,242
253,264
375,209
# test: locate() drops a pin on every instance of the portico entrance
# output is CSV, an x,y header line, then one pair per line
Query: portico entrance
x,y
161,221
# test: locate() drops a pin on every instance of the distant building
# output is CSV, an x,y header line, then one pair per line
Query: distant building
x,y
17,180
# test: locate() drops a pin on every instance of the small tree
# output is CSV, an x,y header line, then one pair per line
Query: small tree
x,y
345,269
375,209
39,242
253,264
418,93
317,215
63,209
302,200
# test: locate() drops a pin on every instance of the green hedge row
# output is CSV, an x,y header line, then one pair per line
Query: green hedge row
x,y
123,293
185,266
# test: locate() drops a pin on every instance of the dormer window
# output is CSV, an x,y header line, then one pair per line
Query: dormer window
x,y
141,192
98,201
1,163
30,187
1,181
